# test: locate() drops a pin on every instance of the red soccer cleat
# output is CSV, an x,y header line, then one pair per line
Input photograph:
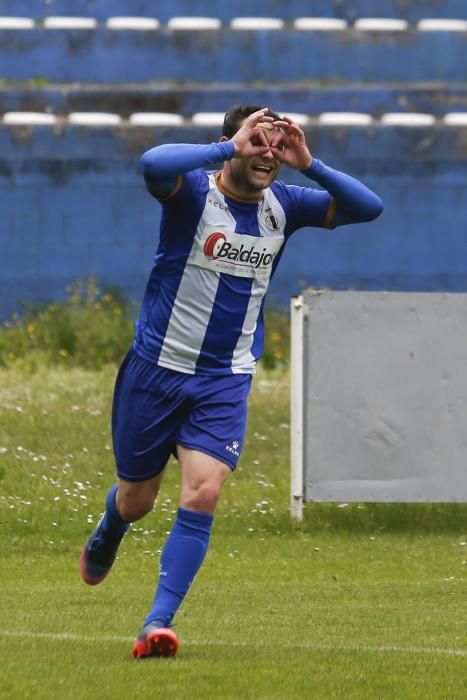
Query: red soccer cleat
x,y
156,641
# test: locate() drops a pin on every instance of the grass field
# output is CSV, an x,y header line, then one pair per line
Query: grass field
x,y
356,602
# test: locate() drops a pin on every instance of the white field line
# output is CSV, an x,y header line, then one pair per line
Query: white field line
x,y
69,636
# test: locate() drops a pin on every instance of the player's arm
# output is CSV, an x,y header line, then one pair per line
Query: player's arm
x,y
163,166
347,200
350,202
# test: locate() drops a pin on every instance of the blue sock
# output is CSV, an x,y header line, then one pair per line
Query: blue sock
x,y
112,523
182,556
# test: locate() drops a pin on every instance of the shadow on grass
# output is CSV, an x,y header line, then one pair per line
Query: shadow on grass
x,y
411,518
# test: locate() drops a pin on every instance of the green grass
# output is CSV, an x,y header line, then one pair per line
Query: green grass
x,y
365,601
93,327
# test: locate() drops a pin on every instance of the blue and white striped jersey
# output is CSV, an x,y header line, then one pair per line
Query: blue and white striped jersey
x,y
202,311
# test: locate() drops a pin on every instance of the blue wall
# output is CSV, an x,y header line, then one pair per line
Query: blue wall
x,y
69,213
73,200
229,56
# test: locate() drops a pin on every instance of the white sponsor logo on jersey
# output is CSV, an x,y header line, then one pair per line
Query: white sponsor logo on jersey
x,y
236,254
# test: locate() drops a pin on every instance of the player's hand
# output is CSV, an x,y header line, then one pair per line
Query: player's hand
x,y
289,145
250,139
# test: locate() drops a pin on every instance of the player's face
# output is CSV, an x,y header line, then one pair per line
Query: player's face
x,y
255,173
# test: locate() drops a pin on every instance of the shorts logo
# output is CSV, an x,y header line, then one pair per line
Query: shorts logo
x,y
212,245
233,448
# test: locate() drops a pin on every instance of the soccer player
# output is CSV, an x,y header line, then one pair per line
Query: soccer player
x,y
183,386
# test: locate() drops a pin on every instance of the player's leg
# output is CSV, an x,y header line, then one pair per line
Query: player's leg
x,y
141,431
184,551
209,444
202,479
126,502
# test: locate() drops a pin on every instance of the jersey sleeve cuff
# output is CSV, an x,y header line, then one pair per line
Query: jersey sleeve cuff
x,y
314,169
228,149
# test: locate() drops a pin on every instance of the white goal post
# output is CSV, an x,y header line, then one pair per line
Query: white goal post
x,y
297,316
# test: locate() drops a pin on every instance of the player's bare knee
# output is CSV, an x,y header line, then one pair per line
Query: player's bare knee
x,y
132,507
203,498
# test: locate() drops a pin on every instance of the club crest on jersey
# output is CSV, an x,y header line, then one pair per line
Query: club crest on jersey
x,y
271,221
238,254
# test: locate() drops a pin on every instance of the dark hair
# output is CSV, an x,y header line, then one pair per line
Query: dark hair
x,y
237,114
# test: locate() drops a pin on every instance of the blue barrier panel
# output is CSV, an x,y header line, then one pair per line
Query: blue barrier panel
x,y
232,56
225,9
309,99
74,205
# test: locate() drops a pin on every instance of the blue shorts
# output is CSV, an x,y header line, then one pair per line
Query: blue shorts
x,y
155,409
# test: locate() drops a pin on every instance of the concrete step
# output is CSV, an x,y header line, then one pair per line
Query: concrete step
x,y
411,146
233,56
312,99
226,10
